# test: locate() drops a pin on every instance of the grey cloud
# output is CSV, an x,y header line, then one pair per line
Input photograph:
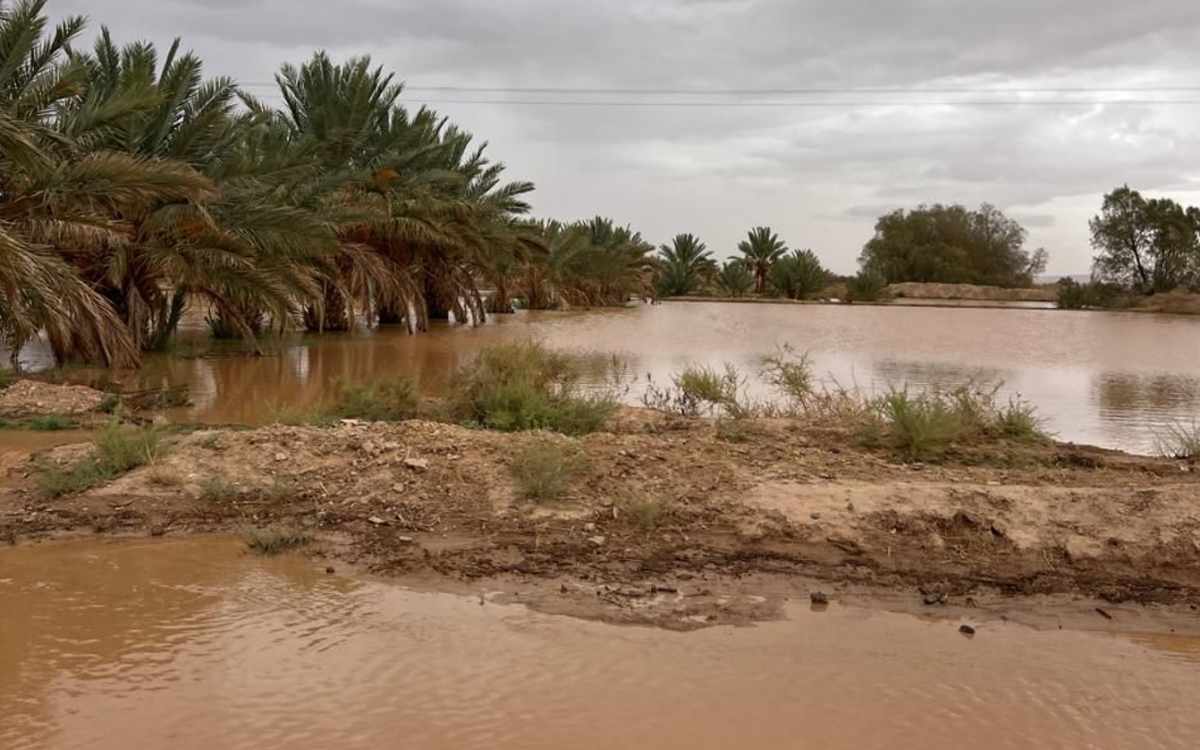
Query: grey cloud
x,y
818,174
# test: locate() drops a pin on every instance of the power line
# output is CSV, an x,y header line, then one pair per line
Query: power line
x,y
812,91
804,104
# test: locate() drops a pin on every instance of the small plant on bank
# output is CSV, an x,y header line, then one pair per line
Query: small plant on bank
x,y
211,441
115,451
918,427
275,541
52,422
1180,441
110,403
545,468
7,378
216,490
278,492
1020,421
641,512
526,386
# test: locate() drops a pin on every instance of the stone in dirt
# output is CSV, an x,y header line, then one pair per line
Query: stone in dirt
x,y
377,521
966,630
416,464
818,597
597,540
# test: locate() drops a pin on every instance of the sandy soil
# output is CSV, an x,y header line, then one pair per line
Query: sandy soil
x,y
436,501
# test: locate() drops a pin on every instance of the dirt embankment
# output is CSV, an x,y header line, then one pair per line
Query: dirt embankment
x,y
30,398
917,290
421,498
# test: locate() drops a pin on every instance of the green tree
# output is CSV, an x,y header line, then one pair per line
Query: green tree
x,y
684,266
1147,245
734,279
760,250
867,286
799,275
951,244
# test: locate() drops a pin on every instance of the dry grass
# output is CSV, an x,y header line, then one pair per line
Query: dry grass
x,y
161,475
640,511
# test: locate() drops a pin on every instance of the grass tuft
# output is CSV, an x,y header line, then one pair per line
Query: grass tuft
x,y
545,468
52,422
217,490
115,451
275,541
386,401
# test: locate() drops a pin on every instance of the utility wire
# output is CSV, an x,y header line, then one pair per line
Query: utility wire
x,y
790,91
804,104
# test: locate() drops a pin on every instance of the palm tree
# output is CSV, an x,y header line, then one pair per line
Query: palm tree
x,y
684,265
61,199
760,250
734,279
798,275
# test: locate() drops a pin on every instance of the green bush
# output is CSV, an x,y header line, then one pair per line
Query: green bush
x,y
545,468
867,286
7,378
1019,421
1076,296
526,386
923,426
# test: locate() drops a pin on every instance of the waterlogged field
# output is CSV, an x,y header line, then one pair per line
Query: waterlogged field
x,y
1111,379
194,644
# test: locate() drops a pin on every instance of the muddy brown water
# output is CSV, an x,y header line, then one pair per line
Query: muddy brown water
x,y
195,645
1109,379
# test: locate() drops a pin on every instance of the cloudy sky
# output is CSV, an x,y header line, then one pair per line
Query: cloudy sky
x,y
819,173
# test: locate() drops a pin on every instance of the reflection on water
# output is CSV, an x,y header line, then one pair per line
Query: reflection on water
x,y
193,645
1106,378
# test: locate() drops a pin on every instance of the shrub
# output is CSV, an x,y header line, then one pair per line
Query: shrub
x,y
526,386
114,452
1180,441
789,373
7,378
388,401
275,541
545,468
51,422
110,404
1076,296
867,286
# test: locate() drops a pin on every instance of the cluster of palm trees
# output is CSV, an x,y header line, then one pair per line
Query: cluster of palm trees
x,y
132,189
765,267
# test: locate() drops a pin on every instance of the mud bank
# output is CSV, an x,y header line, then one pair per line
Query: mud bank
x,y
785,508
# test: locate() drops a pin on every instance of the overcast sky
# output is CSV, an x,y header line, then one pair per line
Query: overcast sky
x,y
817,175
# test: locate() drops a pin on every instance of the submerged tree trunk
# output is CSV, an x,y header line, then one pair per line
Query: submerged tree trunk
x,y
334,317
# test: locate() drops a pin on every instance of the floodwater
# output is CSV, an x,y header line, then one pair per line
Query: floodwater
x,y
1109,379
195,645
